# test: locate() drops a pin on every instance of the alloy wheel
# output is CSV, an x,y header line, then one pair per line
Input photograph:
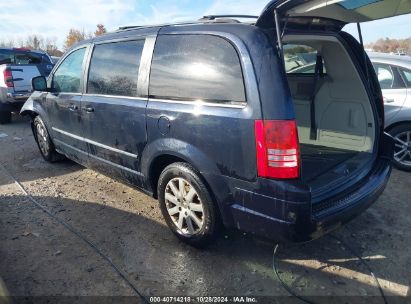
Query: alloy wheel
x,y
184,206
402,150
42,138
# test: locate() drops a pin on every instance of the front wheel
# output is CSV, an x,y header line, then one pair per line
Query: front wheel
x,y
44,142
187,205
402,150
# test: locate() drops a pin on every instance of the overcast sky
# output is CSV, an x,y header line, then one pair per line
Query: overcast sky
x,y
54,18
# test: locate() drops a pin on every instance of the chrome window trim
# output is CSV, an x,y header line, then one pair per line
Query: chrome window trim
x,y
145,66
92,142
201,103
119,39
100,159
116,96
66,93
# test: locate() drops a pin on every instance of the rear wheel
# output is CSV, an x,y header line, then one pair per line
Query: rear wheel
x,y
187,205
402,149
5,117
44,142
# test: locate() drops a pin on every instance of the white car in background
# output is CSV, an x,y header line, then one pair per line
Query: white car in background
x,y
394,75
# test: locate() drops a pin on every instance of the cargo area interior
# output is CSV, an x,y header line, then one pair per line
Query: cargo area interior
x,y
342,140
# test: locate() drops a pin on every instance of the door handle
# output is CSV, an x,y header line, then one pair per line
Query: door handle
x,y
386,100
88,109
73,108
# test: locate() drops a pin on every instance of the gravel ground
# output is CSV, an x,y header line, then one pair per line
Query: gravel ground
x,y
40,257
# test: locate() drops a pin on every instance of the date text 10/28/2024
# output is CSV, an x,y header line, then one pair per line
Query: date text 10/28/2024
x,y
203,300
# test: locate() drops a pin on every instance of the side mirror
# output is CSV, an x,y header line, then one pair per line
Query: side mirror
x,y
39,83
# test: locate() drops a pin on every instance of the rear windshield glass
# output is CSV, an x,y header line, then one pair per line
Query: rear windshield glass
x,y
27,58
300,59
6,57
196,67
16,57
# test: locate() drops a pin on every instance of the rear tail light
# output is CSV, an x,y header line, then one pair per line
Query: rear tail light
x,y
278,154
8,78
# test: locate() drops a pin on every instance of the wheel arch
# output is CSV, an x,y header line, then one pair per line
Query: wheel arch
x,y
157,156
396,124
32,109
157,166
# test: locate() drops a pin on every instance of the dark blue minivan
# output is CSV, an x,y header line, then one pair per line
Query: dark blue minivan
x,y
274,127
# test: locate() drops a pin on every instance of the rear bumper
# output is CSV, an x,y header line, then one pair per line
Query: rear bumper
x,y
18,97
13,101
299,221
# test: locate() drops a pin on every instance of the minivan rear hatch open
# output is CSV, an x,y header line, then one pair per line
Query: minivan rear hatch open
x,y
337,12
338,108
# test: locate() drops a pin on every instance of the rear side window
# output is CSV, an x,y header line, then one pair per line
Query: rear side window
x,y
114,68
407,76
68,75
196,67
300,59
388,77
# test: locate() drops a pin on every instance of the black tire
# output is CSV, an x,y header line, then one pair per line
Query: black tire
x,y
5,117
44,141
209,216
402,143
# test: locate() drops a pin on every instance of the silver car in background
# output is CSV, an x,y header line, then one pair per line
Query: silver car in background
x,y
394,75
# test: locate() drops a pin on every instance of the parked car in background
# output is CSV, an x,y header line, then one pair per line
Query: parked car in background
x,y
394,75
55,59
17,68
203,117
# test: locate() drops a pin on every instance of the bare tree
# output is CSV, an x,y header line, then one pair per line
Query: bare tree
x,y
38,42
387,45
101,29
35,42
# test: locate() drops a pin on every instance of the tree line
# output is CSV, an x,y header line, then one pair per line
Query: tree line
x,y
387,45
49,45
39,42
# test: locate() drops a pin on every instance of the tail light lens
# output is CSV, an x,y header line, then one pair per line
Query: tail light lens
x,y
8,78
278,154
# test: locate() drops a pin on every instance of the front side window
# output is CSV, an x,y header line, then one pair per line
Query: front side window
x,y
196,67
114,68
67,78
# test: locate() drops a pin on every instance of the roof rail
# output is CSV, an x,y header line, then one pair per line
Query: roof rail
x,y
130,27
213,17
204,19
